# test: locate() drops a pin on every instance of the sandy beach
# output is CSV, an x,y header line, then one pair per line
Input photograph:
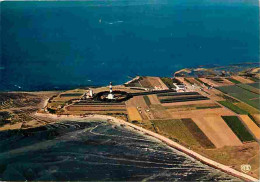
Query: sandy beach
x,y
165,140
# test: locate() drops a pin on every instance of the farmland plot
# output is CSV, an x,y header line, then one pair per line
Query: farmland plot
x,y
217,131
168,82
233,107
202,102
221,81
157,82
145,82
175,130
238,128
180,97
154,99
194,81
255,130
147,100
133,114
183,99
192,107
139,102
247,108
242,79
249,88
209,82
198,113
159,112
242,94
233,80
256,85
197,133
256,118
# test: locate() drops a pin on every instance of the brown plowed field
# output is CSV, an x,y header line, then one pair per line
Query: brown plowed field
x,y
192,107
133,114
192,80
257,118
199,113
210,82
159,112
157,82
242,79
255,130
145,82
154,99
227,82
217,131
139,102
224,82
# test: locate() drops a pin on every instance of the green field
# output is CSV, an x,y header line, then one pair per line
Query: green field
x,y
228,98
175,130
249,88
233,107
238,128
233,80
247,108
254,79
208,107
242,94
168,82
147,100
255,85
197,133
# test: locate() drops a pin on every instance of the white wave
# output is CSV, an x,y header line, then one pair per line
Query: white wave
x,y
114,22
18,86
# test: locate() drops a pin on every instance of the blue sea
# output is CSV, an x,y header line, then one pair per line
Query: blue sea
x,y
65,44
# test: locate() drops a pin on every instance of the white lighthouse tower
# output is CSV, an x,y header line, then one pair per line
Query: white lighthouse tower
x,y
110,95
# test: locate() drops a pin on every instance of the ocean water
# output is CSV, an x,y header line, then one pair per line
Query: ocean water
x,y
57,45
95,151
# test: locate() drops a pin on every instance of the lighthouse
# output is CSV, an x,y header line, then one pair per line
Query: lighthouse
x,y
110,95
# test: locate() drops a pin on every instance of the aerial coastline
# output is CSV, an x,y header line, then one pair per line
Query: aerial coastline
x,y
145,104
130,91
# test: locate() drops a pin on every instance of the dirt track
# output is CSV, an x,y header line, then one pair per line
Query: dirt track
x,y
217,131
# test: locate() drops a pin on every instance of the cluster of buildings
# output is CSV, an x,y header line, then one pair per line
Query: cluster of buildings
x,y
90,94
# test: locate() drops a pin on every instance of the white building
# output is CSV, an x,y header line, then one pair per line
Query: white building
x,y
90,93
179,88
110,95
